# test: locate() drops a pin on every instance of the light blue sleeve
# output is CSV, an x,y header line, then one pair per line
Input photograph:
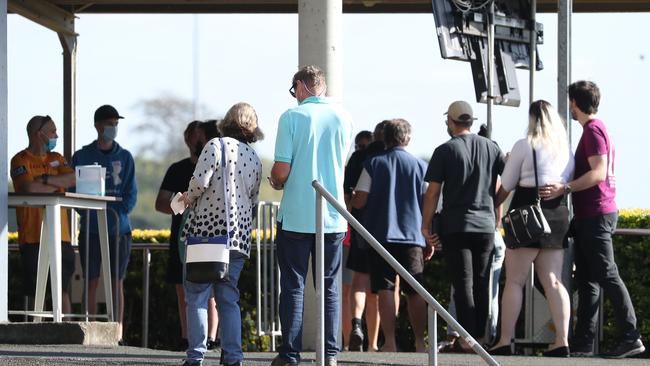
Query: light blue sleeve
x,y
284,139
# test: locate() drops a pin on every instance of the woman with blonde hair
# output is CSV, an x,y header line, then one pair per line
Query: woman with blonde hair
x,y
221,213
544,152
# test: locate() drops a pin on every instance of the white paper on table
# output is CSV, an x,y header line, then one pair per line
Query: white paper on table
x,y
177,205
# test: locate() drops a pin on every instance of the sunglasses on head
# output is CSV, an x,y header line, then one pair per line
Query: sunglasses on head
x,y
44,120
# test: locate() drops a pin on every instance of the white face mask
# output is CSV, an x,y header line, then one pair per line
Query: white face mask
x,y
110,133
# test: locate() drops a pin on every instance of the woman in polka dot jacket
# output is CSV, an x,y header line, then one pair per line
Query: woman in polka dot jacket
x,y
208,218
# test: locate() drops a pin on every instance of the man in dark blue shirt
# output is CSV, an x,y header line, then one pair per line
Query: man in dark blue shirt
x,y
391,187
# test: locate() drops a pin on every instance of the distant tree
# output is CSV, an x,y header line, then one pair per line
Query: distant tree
x,y
162,126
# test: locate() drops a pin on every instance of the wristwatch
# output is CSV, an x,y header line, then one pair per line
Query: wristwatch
x,y
567,188
44,178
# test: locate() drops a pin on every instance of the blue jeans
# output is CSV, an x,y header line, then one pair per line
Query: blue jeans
x,y
227,298
293,251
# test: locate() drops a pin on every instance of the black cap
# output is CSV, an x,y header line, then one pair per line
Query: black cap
x,y
106,112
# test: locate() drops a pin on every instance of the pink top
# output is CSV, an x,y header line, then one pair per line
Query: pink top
x,y
599,199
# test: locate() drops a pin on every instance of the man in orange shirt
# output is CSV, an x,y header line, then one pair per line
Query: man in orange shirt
x,y
38,169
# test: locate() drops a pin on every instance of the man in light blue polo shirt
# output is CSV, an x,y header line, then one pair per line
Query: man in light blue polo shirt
x,y
313,140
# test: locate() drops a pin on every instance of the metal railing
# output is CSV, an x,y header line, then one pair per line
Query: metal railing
x,y
268,273
434,307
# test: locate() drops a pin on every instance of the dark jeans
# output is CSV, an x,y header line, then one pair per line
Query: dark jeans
x,y
469,258
293,251
595,268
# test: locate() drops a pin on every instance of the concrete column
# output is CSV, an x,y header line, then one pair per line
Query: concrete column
x,y
320,27
69,44
4,129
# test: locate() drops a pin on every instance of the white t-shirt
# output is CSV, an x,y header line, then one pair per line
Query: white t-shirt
x,y
550,168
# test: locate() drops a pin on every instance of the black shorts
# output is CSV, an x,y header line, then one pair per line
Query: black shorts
x,y
382,275
29,259
358,258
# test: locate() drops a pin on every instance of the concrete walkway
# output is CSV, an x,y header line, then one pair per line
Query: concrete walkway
x,y
24,355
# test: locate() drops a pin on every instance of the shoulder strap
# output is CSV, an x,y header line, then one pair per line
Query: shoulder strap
x,y
224,177
536,179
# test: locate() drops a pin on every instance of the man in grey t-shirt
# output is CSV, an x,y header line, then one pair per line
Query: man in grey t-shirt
x,y
468,165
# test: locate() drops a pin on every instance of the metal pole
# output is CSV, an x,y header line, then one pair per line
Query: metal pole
x,y
533,53
564,61
433,336
146,265
490,66
258,264
4,185
195,66
69,44
564,79
320,282
86,262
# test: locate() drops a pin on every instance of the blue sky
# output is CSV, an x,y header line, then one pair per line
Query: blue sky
x,y
392,68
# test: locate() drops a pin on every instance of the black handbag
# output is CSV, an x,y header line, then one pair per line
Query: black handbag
x,y
526,225
207,258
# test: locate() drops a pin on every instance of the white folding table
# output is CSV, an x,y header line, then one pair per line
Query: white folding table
x,y
49,255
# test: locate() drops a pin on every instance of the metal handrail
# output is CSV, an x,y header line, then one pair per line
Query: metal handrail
x,y
321,193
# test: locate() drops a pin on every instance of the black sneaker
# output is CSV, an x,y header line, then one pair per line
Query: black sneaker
x,y
190,363
356,337
626,349
281,361
581,350
213,345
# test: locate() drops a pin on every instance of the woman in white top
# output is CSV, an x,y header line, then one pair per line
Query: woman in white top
x,y
210,217
547,136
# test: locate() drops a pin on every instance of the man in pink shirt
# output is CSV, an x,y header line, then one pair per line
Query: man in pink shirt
x,y
594,222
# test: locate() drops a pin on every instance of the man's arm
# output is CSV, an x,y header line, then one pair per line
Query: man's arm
x,y
279,174
163,201
596,175
359,199
64,181
431,197
35,186
360,194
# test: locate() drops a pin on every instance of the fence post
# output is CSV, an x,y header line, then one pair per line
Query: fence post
x,y
146,265
432,317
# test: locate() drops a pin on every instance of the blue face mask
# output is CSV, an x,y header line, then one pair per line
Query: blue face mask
x,y
51,144
110,132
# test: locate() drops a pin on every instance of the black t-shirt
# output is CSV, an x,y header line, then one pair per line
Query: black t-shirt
x,y
355,166
177,179
467,166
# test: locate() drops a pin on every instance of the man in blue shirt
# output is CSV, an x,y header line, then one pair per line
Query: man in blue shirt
x,y
313,140
120,182
390,188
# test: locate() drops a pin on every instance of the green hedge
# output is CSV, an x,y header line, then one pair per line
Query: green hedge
x,y
632,257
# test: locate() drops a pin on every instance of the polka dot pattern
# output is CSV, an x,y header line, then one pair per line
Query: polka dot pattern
x,y
209,217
